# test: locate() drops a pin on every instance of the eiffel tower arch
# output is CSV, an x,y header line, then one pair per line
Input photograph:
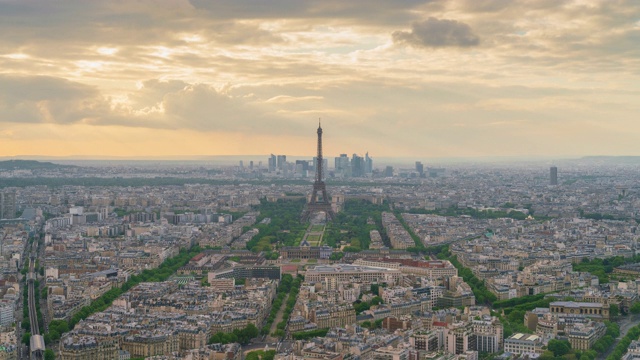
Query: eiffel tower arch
x,y
319,201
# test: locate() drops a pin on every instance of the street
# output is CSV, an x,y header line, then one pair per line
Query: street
x,y
626,323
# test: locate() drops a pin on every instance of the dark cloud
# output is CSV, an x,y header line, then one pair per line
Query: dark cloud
x,y
437,33
37,25
486,5
365,11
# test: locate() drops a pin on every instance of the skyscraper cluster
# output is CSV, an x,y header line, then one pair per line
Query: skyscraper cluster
x,y
277,162
345,166
356,166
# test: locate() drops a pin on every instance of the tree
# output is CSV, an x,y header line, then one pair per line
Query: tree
x,y
559,347
49,355
375,288
547,355
26,337
614,310
635,308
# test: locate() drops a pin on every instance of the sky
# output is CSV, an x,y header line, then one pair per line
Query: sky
x,y
404,78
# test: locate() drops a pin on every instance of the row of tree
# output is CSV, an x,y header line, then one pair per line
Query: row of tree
x,y
419,246
517,301
354,224
291,302
482,294
242,336
512,323
624,343
603,267
261,355
474,213
304,335
284,214
283,290
56,329
163,272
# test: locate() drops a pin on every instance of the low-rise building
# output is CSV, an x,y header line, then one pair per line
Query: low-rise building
x,y
595,311
583,336
520,343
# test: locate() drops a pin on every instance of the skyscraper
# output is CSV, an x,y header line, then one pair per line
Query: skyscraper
x,y
282,162
419,168
368,164
272,163
553,178
7,205
342,164
357,166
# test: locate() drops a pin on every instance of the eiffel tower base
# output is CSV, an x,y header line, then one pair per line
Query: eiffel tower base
x,y
310,209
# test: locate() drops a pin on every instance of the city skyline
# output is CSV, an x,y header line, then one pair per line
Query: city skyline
x,y
416,79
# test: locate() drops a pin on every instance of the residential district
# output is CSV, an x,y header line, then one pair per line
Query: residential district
x,y
195,261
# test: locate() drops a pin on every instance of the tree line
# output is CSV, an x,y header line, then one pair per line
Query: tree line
x,y
283,290
284,214
242,336
352,225
162,273
304,335
482,294
291,302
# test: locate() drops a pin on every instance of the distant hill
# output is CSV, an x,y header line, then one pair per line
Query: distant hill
x,y
31,165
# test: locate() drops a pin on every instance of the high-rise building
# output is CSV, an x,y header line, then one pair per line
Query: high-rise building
x,y
272,163
357,166
342,164
368,164
419,168
282,162
302,166
7,205
388,171
553,179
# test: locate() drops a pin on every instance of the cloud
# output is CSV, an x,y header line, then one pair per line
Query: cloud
x,y
156,66
437,33
44,99
364,11
157,104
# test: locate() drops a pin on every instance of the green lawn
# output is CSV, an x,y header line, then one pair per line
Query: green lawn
x,y
317,228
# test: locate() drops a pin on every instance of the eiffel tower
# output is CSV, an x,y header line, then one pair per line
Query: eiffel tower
x,y
319,201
